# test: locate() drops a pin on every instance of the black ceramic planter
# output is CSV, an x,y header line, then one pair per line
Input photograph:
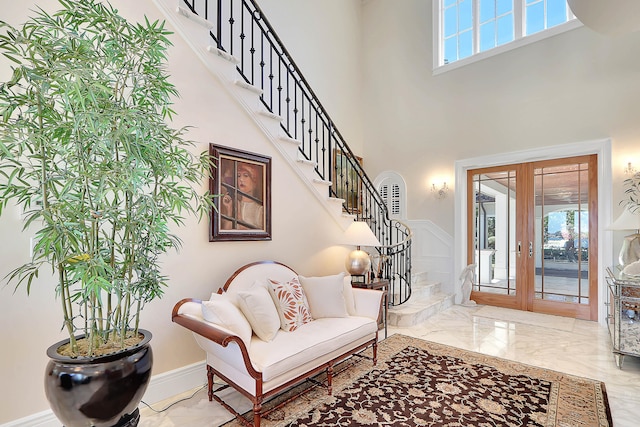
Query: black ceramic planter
x,y
99,391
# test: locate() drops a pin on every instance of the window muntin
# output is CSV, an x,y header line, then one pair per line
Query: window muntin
x,y
468,27
393,190
495,22
391,198
457,29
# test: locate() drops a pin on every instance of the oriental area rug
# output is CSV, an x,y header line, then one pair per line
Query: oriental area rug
x,y
420,383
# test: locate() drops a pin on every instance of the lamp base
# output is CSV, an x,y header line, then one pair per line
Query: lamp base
x,y
630,251
358,263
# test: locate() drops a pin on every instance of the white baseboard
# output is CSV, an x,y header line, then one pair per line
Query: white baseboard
x,y
171,383
161,387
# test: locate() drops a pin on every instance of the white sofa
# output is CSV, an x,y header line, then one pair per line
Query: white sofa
x,y
263,359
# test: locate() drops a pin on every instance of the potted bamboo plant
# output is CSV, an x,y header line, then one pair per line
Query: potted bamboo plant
x,y
101,179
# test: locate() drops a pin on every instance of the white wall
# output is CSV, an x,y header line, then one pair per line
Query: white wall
x,y
325,40
573,87
32,324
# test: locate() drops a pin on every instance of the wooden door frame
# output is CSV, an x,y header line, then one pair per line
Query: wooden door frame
x,y
605,246
516,301
589,312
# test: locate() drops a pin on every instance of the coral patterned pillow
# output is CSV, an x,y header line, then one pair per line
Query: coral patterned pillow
x,y
291,303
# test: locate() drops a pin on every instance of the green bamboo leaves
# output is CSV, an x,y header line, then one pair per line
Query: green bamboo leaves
x,y
86,151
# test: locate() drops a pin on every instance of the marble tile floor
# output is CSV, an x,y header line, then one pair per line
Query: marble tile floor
x,y
584,350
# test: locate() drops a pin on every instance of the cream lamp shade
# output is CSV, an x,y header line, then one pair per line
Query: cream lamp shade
x,y
628,220
359,234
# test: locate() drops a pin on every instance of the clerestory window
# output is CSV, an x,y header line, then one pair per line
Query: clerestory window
x,y
466,28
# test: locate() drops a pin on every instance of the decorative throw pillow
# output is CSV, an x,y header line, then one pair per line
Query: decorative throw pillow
x,y
325,295
221,311
257,306
291,303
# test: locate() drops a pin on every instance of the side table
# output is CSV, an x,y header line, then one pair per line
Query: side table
x,y
382,285
623,313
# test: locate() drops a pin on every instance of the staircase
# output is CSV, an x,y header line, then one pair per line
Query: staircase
x,y
426,300
240,51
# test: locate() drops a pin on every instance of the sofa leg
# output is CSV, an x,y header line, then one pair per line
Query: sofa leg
x,y
330,378
210,382
257,409
375,352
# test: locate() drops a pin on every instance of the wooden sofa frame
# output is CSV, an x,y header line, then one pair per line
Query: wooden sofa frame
x,y
259,397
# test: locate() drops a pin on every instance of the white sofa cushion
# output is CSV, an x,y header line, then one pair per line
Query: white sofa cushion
x,y
221,311
290,302
289,350
257,306
325,295
349,299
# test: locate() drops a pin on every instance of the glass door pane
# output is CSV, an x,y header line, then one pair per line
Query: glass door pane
x,y
495,232
562,233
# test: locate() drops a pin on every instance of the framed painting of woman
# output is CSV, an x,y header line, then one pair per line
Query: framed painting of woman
x,y
242,183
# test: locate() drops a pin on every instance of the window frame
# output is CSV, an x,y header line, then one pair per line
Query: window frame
x,y
391,179
520,39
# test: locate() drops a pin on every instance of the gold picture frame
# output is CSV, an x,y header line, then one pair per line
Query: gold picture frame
x,y
344,175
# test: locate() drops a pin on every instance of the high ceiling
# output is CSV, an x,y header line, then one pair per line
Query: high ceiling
x,y
609,17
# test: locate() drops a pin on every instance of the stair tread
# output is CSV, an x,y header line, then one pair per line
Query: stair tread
x,y
222,54
248,86
195,18
426,284
288,140
270,115
307,162
322,181
419,305
415,312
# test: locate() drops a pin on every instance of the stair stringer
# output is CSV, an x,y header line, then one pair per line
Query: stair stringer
x,y
195,32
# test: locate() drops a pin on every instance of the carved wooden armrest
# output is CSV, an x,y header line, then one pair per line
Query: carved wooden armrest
x,y
211,332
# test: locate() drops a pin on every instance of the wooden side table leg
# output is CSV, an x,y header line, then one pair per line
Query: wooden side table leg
x,y
386,310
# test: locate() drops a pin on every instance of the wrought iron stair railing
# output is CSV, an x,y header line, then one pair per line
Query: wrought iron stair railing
x,y
241,30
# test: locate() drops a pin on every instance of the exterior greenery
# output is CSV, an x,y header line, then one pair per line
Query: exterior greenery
x,y
89,157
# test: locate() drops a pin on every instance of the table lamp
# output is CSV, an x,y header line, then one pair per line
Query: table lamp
x,y
628,220
359,234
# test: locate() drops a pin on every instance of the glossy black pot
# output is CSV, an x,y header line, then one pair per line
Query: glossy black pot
x,y
101,391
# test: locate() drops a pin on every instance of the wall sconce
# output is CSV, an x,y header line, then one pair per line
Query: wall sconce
x,y
630,169
440,192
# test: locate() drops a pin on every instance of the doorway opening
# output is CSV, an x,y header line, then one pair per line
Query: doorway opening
x,y
602,254
533,229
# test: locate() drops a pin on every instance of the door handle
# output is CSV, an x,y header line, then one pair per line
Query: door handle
x,y
519,250
530,249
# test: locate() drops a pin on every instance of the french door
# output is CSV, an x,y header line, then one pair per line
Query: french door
x,y
533,236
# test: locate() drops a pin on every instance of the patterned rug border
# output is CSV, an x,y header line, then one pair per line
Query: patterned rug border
x,y
394,344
